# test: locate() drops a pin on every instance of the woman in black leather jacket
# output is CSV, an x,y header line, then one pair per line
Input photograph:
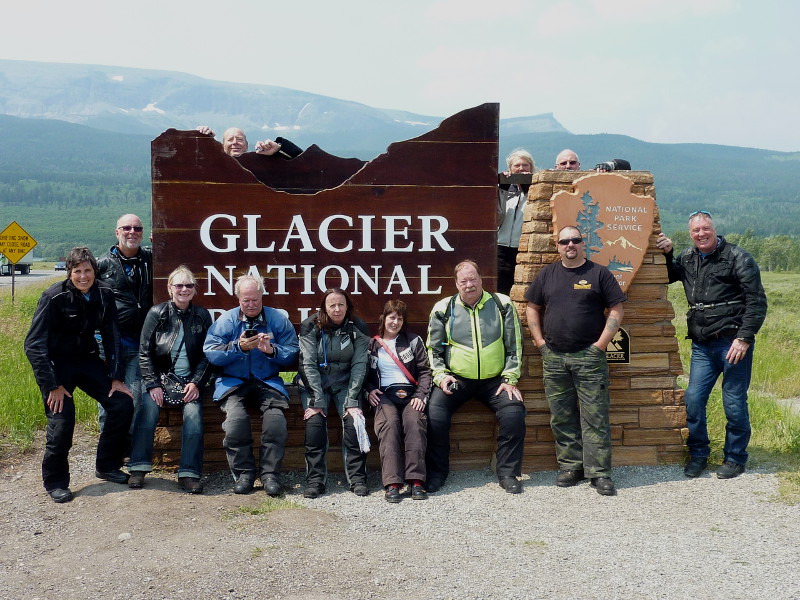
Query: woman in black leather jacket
x,y
172,341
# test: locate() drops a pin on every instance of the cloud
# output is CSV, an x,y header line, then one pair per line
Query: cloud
x,y
603,17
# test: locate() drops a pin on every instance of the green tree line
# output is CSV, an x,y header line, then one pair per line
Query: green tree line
x,y
778,253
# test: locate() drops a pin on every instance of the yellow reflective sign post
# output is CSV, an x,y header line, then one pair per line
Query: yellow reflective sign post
x,y
15,243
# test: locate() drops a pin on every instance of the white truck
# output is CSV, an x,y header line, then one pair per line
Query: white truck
x,y
23,267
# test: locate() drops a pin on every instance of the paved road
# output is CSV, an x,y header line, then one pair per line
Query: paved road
x,y
36,276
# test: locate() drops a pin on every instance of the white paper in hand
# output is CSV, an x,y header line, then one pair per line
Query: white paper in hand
x,y
361,431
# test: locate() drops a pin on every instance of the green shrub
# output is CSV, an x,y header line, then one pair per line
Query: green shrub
x,y
21,405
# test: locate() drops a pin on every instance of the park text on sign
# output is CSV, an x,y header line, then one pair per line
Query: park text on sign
x,y
15,242
393,227
616,223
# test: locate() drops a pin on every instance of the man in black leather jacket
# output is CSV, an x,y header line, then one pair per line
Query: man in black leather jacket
x,y
727,307
128,269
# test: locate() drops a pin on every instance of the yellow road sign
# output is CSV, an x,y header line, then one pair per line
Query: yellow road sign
x,y
15,242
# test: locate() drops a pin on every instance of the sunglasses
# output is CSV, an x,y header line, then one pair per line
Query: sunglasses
x,y
137,229
568,162
566,241
180,286
700,212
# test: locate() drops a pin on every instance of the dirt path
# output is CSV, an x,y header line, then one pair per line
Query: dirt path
x,y
663,536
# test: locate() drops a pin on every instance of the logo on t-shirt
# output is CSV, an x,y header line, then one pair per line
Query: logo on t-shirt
x,y
582,285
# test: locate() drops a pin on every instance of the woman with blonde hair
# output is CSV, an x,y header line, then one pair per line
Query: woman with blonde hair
x,y
174,371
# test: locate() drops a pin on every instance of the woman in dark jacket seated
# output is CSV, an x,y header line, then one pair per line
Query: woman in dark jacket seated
x,y
333,364
399,395
172,343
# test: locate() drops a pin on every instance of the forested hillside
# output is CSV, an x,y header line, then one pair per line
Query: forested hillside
x,y
744,188
66,184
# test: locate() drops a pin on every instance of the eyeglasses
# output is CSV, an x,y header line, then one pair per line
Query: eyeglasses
x,y
571,163
700,212
575,240
136,228
180,286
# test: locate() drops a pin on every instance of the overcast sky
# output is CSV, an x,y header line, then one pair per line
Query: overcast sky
x,y
711,71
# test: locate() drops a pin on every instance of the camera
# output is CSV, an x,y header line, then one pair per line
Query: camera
x,y
618,164
452,386
248,333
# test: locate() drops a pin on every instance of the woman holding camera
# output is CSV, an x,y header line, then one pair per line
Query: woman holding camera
x,y
398,383
174,370
333,364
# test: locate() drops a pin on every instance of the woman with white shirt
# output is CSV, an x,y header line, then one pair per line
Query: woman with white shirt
x,y
398,384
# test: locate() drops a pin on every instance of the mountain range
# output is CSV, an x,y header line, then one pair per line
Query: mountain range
x,y
77,138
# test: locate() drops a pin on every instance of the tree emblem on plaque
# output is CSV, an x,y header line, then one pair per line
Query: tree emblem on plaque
x,y
615,222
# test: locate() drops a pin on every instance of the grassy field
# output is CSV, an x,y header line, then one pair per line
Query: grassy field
x,y
776,376
21,410
775,443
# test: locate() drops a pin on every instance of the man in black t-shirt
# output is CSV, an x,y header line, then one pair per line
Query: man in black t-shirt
x,y
566,316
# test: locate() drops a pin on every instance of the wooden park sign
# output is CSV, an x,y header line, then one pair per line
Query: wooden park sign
x,y
393,227
615,222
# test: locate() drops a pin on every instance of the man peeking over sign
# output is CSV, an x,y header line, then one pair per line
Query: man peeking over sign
x,y
234,143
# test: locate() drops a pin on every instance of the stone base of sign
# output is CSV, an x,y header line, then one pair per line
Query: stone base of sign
x,y
648,419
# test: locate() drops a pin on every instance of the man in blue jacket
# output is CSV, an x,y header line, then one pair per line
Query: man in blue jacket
x,y
252,344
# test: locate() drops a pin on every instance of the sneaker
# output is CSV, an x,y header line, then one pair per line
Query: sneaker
x,y
61,495
136,480
313,490
418,491
190,484
115,476
604,486
272,486
568,477
392,494
244,485
729,470
360,489
695,466
512,485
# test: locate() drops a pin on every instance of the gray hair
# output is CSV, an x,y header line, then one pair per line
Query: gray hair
x,y
249,279
520,153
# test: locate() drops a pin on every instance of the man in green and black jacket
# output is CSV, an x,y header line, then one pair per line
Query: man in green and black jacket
x,y
475,348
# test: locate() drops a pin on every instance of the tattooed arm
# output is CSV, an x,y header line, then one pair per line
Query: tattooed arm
x,y
613,321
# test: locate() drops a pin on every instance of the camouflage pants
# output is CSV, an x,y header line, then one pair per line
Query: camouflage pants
x,y
576,385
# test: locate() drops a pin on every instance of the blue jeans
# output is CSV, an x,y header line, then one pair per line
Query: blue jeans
x,y
144,428
133,379
708,363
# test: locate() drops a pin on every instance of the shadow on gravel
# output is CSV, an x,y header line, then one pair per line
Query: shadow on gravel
x,y
101,488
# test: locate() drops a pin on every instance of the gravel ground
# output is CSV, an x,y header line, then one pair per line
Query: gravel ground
x,y
662,536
